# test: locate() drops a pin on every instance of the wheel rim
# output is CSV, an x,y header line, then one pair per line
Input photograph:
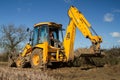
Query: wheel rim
x,y
36,59
18,62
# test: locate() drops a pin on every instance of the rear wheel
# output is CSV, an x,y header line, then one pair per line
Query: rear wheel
x,y
36,58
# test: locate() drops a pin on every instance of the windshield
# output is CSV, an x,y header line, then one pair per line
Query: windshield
x,y
40,34
43,34
35,36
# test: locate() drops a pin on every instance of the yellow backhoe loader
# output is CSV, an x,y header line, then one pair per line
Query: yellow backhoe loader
x,y
45,46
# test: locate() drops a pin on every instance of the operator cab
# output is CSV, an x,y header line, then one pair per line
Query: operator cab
x,y
46,32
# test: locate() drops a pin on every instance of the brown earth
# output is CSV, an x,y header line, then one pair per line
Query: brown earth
x,y
66,73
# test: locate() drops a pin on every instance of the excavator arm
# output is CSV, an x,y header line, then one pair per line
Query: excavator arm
x,y
77,20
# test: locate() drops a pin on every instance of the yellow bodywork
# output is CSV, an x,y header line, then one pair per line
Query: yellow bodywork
x,y
27,49
69,41
44,47
82,24
36,59
50,24
77,20
18,62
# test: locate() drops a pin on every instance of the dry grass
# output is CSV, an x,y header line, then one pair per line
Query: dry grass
x,y
23,74
113,56
66,73
75,73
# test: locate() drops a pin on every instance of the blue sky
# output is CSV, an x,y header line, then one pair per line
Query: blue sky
x,y
104,16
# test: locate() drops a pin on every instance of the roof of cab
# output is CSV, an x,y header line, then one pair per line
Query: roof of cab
x,y
50,24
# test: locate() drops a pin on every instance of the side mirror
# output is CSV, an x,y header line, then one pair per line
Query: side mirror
x,y
28,29
30,39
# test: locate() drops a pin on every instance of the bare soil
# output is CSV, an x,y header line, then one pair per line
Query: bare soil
x,y
66,73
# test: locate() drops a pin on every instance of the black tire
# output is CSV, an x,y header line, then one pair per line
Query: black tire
x,y
36,59
11,62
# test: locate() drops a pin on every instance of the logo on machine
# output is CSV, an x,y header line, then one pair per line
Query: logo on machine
x,y
68,35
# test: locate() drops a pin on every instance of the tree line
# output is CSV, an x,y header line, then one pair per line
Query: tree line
x,y
11,39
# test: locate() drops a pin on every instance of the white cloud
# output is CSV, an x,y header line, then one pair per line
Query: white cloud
x,y
108,17
115,34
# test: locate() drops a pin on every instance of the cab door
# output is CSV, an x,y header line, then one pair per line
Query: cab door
x,y
40,35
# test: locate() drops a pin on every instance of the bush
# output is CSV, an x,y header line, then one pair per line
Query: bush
x,y
112,56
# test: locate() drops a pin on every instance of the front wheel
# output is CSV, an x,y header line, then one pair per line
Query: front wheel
x,y
20,62
36,59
